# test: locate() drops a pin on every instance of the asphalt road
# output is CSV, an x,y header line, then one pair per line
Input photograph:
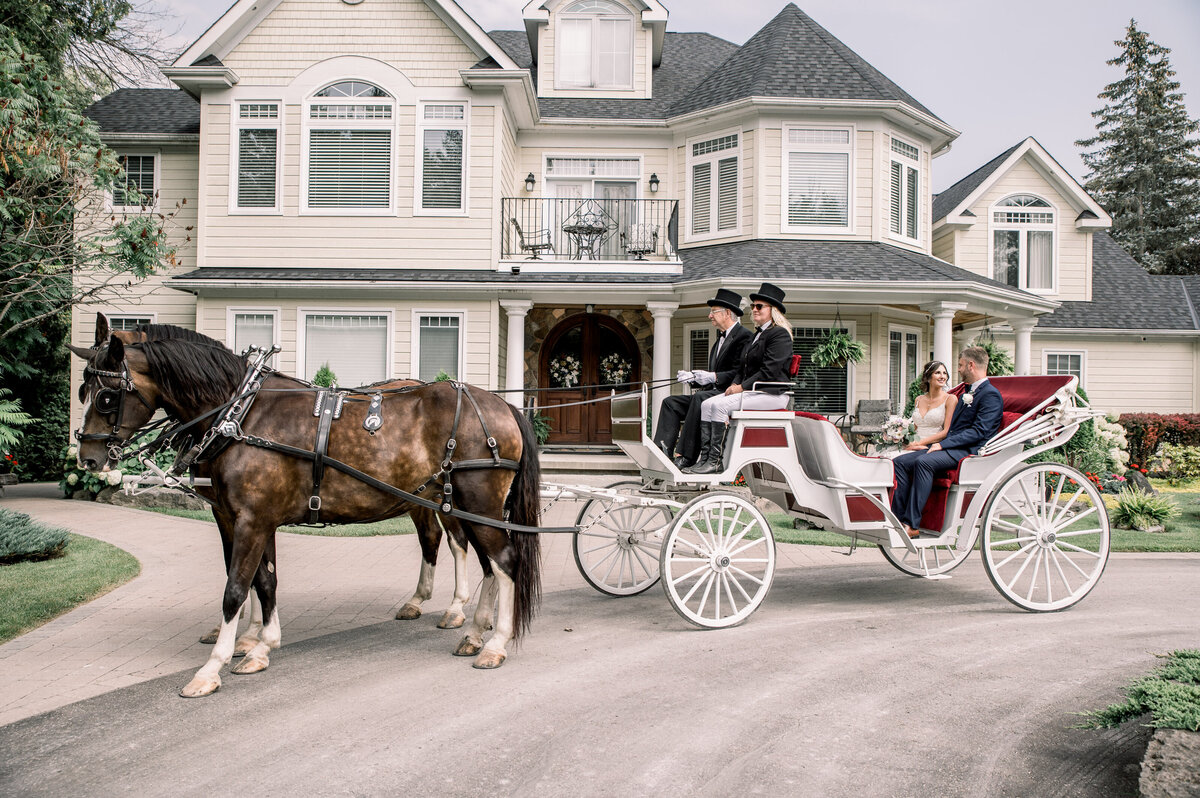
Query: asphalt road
x,y
847,682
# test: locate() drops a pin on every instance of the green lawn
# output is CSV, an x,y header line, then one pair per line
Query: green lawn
x,y
391,526
32,593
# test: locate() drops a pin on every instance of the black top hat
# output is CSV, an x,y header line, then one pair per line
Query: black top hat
x,y
771,294
727,299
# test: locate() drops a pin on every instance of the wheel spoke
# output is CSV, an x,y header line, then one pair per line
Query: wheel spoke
x,y
1019,511
690,574
1017,553
1037,565
704,579
1058,566
733,610
749,576
995,544
1077,532
1096,554
748,546
1073,564
1071,503
709,579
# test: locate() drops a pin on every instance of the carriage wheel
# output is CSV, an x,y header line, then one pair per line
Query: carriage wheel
x,y
614,553
928,561
718,560
1045,537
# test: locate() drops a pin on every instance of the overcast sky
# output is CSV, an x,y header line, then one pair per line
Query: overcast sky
x,y
996,71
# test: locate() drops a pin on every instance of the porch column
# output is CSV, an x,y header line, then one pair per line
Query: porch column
x,y
943,331
515,364
661,371
1023,332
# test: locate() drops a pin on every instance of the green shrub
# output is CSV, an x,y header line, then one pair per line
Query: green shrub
x,y
442,376
541,427
75,479
22,538
914,390
1176,463
325,376
1138,510
1170,694
1000,363
1147,430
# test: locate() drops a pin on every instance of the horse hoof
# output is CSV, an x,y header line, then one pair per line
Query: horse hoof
x,y
452,620
408,613
489,659
251,665
244,646
201,686
210,637
467,649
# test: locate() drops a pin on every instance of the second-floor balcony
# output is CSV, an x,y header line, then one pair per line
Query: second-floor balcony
x,y
581,232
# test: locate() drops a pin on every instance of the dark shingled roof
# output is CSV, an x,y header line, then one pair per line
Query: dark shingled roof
x,y
686,59
1125,297
949,199
793,56
171,111
769,259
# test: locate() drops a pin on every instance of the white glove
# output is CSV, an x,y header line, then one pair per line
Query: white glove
x,y
705,377
684,376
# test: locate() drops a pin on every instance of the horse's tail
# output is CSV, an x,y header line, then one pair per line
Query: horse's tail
x,y
525,508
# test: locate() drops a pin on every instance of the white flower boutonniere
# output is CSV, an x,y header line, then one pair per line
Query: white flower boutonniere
x,y
968,398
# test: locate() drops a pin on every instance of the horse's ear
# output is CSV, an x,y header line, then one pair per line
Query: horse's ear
x,y
102,328
116,350
86,354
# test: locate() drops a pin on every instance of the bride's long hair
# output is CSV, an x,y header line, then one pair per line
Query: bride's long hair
x,y
927,374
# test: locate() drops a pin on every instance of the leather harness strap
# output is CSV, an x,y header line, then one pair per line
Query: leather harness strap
x,y
327,403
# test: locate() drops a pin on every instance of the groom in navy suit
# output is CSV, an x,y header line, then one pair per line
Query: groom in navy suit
x,y
976,419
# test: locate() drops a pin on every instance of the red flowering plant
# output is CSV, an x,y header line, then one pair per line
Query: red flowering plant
x,y
9,463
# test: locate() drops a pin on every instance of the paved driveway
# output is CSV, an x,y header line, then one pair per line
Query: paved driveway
x,y
852,679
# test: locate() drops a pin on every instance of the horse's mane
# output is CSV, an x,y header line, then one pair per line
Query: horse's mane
x,y
195,366
164,332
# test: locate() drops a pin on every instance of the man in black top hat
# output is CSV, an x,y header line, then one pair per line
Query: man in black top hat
x,y
724,360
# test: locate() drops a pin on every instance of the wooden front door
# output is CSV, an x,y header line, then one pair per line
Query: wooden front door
x,y
585,357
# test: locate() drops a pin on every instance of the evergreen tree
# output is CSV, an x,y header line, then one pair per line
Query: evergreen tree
x,y
1144,167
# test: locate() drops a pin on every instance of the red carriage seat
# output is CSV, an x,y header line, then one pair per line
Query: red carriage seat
x,y
1020,395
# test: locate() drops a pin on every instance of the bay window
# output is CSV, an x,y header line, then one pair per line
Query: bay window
x,y
905,189
713,179
817,179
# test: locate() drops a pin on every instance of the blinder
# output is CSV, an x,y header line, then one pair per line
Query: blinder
x,y
110,402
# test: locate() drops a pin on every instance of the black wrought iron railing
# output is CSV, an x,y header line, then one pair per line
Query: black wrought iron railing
x,y
589,229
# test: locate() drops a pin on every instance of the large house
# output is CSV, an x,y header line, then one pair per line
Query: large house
x,y
383,187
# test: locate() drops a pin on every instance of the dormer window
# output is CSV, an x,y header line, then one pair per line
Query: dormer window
x,y
1023,243
594,46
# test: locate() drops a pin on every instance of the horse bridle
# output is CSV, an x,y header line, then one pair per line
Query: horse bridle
x,y
110,401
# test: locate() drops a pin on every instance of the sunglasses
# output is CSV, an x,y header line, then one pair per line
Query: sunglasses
x,y
759,306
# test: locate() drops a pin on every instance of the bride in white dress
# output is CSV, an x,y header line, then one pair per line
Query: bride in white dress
x,y
934,409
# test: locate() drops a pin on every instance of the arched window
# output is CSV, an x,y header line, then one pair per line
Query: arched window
x,y
1023,242
349,132
594,46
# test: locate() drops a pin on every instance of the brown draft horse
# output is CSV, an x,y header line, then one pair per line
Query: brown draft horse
x,y
426,522
256,489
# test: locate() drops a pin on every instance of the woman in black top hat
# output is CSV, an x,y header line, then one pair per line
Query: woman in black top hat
x,y
765,360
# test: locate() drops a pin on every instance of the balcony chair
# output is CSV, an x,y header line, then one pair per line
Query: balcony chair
x,y
640,240
534,241
868,421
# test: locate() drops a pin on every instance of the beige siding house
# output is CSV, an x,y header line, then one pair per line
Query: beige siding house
x,y
388,189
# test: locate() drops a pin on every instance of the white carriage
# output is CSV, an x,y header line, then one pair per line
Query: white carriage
x,y
1042,527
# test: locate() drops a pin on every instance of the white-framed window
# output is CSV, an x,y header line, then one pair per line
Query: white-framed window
x,y
699,344
251,327
713,185
594,46
348,158
437,344
136,187
818,164
830,390
1063,363
355,344
441,159
257,141
904,355
1022,241
128,321
905,194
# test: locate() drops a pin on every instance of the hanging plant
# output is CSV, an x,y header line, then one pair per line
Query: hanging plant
x,y
837,349
1000,363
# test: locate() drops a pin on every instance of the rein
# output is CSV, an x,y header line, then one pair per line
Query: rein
x,y
107,405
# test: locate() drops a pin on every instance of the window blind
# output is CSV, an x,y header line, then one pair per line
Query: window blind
x,y
138,178
349,168
256,168
818,390
701,197
818,189
1041,259
354,346
727,194
253,329
614,55
127,322
439,347
574,52
698,345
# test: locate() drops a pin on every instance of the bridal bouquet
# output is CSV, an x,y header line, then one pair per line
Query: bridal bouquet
x,y
899,430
